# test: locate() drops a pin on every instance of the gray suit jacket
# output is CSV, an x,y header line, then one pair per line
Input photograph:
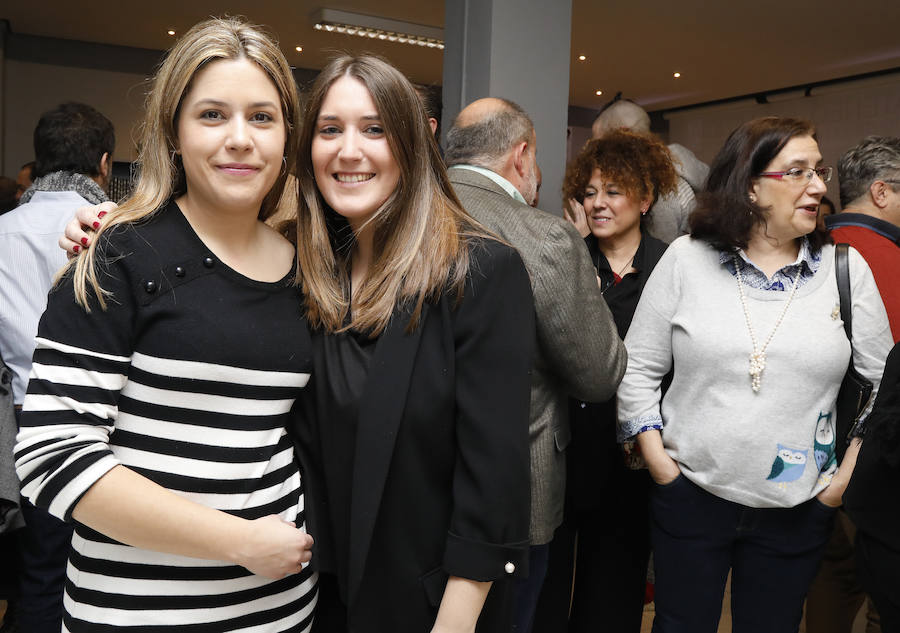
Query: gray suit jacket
x,y
578,352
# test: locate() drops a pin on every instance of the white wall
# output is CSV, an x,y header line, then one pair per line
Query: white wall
x,y
31,89
843,114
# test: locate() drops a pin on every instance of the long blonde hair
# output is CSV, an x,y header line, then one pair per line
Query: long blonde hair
x,y
421,232
161,172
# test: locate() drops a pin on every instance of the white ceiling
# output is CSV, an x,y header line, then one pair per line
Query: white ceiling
x,y
723,49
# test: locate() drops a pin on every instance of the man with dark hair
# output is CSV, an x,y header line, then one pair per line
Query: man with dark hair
x,y
491,151
73,146
869,174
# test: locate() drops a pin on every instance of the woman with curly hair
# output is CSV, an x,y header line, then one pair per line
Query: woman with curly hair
x,y
616,178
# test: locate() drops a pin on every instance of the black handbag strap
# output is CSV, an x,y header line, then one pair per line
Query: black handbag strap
x,y
842,272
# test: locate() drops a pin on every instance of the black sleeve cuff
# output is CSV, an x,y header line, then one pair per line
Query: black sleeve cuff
x,y
485,562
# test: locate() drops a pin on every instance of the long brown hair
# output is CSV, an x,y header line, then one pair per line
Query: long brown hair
x,y
161,172
420,233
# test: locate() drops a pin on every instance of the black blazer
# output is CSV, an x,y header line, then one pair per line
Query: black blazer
x,y
441,466
870,498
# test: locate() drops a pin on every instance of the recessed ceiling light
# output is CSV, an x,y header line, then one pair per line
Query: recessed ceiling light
x,y
598,93
582,57
677,75
299,49
171,31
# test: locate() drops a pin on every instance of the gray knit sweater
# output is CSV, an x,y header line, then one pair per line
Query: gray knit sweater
x,y
773,448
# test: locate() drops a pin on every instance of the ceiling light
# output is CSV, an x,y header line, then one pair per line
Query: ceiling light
x,y
677,75
299,49
171,31
381,28
598,93
582,57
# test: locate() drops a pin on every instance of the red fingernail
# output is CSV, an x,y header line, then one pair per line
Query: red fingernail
x,y
84,241
76,248
101,214
96,225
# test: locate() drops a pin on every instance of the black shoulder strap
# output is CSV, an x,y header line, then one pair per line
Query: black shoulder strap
x,y
842,272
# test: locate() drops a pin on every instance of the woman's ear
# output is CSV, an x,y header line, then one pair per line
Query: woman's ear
x,y
753,194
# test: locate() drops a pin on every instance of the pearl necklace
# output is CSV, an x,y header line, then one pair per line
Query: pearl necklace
x,y
758,355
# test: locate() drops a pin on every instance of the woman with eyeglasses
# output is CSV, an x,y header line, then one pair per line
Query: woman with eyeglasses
x,y
745,313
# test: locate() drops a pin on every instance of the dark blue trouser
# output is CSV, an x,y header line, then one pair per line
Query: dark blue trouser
x,y
527,590
44,545
772,553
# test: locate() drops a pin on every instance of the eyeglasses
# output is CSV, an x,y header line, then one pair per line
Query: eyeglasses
x,y
799,174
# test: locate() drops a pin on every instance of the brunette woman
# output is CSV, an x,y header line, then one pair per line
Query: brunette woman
x,y
745,313
168,361
416,451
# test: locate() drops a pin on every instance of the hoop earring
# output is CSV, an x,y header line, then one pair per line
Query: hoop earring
x,y
283,165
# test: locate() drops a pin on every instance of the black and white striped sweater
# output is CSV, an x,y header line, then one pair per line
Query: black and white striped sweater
x,y
187,378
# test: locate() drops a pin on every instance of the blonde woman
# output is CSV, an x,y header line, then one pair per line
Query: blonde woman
x,y
169,358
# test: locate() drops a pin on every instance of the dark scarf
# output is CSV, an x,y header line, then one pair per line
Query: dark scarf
x,y
66,181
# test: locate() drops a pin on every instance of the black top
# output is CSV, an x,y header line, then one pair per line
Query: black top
x,y
594,455
622,297
345,363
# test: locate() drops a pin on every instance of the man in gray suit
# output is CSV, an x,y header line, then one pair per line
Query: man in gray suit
x,y
491,151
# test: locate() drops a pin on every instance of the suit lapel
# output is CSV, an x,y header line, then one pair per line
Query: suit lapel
x,y
380,411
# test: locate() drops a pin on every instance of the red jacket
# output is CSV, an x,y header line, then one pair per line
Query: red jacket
x,y
878,242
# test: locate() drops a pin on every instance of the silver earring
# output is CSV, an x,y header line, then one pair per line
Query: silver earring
x,y
283,165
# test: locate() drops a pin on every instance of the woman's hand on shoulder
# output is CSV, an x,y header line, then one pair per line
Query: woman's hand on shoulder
x,y
80,229
273,548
